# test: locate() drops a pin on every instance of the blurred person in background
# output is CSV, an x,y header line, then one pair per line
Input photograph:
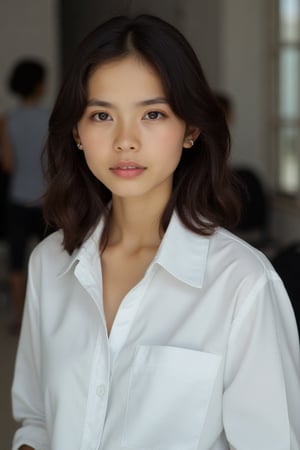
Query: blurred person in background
x,y
4,183
24,129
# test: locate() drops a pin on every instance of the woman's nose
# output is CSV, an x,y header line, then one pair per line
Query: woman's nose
x,y
126,138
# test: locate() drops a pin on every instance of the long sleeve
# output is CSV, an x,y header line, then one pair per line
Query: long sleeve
x,y
27,398
261,408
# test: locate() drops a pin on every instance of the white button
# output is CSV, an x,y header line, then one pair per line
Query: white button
x,y
101,390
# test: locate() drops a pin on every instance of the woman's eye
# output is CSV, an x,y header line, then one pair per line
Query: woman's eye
x,y
102,116
153,115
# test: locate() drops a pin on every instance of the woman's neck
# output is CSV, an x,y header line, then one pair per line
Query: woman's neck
x,y
135,223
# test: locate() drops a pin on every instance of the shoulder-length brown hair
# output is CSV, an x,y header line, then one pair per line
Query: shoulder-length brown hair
x,y
203,193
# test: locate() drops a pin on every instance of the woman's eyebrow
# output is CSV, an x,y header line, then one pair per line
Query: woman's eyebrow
x,y
147,102
153,101
95,102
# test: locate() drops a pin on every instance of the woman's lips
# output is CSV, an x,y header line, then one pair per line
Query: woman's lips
x,y
127,169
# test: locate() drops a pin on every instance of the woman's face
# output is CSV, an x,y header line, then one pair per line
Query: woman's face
x,y
131,138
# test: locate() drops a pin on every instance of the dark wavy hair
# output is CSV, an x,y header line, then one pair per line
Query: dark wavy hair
x,y
203,190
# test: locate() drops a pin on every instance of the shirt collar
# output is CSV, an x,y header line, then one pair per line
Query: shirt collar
x,y
89,249
182,252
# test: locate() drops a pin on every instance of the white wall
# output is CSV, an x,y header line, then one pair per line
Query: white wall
x,y
28,29
244,76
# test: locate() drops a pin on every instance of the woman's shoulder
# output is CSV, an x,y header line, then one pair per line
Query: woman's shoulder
x,y
242,255
50,252
54,239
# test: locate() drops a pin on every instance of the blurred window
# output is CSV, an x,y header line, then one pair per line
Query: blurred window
x,y
288,96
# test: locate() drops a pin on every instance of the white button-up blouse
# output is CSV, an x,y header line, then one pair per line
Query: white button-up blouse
x,y
203,353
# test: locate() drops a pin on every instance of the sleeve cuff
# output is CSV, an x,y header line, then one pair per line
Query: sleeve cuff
x,y
32,436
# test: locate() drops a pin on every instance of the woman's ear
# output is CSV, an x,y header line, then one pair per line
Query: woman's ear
x,y
191,135
77,138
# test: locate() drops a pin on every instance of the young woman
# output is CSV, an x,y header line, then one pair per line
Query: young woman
x,y
147,325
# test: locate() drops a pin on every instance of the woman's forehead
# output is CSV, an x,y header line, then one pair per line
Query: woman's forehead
x,y
129,73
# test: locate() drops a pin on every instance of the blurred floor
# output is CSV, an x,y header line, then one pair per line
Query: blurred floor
x,y
8,345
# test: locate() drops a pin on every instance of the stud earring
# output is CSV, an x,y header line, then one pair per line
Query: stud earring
x,y
79,145
191,142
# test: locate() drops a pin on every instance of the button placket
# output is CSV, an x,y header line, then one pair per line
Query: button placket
x,y
101,390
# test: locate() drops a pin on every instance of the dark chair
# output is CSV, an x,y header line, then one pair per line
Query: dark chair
x,y
254,207
287,265
254,201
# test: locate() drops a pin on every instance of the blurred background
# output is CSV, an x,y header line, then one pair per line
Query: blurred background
x,y
250,53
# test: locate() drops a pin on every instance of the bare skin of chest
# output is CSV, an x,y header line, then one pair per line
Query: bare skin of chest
x,y
121,271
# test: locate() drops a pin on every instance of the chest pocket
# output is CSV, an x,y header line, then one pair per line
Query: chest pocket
x,y
168,397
